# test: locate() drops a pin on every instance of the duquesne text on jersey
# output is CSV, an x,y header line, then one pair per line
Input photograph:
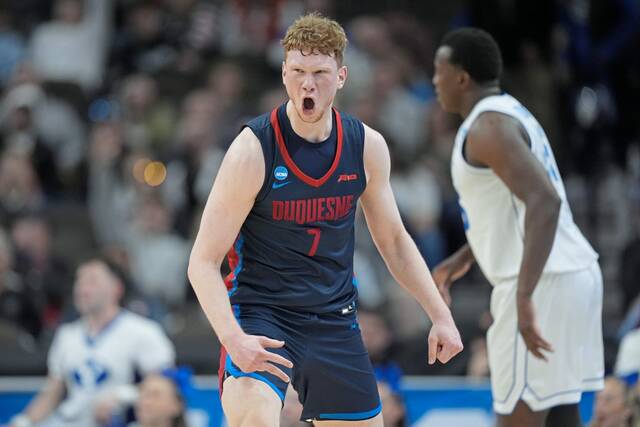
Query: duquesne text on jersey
x,y
312,210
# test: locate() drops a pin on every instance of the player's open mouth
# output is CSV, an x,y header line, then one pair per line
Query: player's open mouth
x,y
307,105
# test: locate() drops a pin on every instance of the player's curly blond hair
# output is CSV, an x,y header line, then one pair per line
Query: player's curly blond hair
x,y
313,33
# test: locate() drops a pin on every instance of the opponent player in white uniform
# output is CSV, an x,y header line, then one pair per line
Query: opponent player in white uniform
x,y
545,345
92,358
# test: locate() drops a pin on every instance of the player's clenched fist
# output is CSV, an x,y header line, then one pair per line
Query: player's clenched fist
x,y
444,342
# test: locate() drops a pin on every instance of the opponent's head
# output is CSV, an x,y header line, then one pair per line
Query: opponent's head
x,y
97,287
466,59
312,70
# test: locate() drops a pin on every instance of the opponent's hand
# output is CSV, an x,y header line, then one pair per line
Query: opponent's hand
x,y
444,342
529,330
447,272
250,354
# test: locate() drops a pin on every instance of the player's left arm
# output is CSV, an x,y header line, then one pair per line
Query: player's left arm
x,y
498,141
400,252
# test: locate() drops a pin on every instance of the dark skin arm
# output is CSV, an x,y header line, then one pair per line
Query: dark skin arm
x,y
497,141
452,269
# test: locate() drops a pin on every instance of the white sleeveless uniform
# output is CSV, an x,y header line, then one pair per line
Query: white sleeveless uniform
x,y
92,366
568,298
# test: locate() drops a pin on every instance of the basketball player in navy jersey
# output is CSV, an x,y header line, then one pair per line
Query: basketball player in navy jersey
x,y
284,200
545,344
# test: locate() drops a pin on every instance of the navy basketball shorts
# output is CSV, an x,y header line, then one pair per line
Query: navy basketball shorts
x,y
331,371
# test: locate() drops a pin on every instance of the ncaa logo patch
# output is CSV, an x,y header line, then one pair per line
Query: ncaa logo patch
x,y
281,173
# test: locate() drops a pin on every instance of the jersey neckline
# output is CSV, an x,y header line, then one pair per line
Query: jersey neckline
x,y
314,182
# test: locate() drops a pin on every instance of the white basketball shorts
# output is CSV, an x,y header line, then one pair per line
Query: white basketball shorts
x,y
568,309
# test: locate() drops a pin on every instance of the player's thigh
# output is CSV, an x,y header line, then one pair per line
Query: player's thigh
x,y
371,422
248,402
522,416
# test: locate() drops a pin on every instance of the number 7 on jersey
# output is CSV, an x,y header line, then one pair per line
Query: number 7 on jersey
x,y
315,232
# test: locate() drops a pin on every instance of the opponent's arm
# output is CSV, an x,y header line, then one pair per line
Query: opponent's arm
x,y
47,399
400,252
239,179
497,141
452,269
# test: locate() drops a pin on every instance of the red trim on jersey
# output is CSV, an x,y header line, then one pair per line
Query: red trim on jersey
x,y
221,369
289,161
233,258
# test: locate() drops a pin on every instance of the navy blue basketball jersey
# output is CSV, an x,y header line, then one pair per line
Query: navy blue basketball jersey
x,y
295,248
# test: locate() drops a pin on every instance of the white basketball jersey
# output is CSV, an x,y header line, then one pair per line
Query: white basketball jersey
x,y
91,366
494,217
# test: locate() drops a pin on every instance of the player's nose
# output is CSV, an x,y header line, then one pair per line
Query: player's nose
x,y
308,84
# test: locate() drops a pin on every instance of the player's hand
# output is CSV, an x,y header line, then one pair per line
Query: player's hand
x,y
250,354
448,271
529,330
444,342
104,409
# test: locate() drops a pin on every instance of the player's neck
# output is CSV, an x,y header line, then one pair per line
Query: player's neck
x,y
313,132
472,97
97,321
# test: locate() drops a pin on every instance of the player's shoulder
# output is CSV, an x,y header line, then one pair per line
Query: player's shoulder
x,y
493,125
259,123
373,139
68,329
133,321
351,123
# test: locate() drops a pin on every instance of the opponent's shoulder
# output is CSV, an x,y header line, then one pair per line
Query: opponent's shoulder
x,y
494,128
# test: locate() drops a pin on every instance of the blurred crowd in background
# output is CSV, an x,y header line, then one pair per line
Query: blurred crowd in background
x,y
115,116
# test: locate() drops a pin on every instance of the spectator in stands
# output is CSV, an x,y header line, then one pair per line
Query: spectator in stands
x,y
16,304
148,120
628,359
72,48
20,136
20,190
92,361
54,121
151,242
45,274
112,192
161,402
12,46
611,407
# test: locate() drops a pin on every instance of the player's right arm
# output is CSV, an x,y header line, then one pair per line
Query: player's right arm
x,y
47,399
239,180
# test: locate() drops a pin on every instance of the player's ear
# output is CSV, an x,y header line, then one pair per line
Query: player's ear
x,y
284,70
343,72
463,79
